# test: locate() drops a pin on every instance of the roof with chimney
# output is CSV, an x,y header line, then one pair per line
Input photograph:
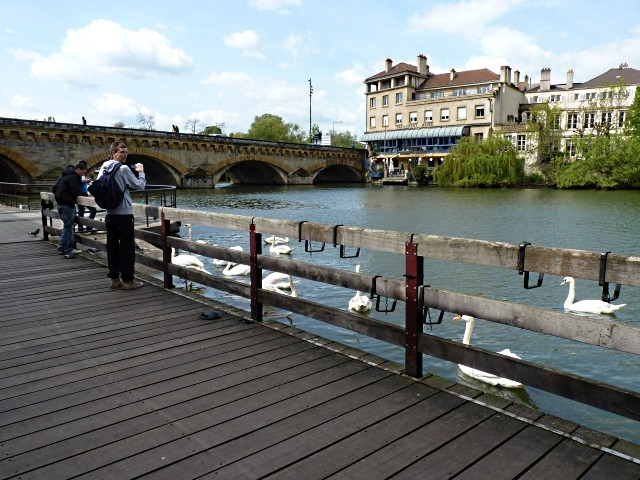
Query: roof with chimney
x,y
621,75
467,77
396,69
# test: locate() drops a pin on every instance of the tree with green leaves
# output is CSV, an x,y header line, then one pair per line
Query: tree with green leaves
x,y
490,162
272,128
216,129
632,122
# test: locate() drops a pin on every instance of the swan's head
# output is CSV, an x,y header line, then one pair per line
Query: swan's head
x,y
466,318
567,280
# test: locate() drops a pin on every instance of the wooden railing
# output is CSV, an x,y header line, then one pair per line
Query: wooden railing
x,y
418,297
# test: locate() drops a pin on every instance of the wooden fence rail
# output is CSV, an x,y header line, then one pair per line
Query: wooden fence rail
x,y
602,266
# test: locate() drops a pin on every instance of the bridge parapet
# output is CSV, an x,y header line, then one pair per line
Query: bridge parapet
x,y
32,150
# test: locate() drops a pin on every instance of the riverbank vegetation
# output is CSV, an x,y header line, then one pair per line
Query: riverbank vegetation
x,y
492,162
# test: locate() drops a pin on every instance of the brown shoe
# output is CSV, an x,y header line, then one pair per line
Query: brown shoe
x,y
116,283
131,285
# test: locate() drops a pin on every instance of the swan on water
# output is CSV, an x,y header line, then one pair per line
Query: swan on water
x,y
280,249
280,283
236,269
359,303
485,377
587,306
221,263
273,240
188,261
278,279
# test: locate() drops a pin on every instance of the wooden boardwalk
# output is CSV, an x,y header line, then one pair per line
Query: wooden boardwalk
x,y
110,384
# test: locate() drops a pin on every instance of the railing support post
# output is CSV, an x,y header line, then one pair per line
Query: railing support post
x,y
255,249
413,325
165,228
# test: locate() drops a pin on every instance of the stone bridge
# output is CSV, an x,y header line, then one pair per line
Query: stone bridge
x,y
36,151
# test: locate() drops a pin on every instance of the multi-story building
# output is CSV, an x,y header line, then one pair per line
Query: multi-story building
x,y
416,116
595,107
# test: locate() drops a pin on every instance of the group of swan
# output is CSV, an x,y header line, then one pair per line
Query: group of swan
x,y
221,263
359,303
587,306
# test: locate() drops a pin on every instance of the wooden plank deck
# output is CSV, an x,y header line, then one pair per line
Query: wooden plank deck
x,y
100,383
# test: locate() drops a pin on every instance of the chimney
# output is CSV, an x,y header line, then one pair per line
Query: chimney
x,y
503,74
545,79
569,79
389,63
516,78
508,82
526,82
423,68
452,75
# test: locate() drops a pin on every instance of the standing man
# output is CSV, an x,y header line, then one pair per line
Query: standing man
x,y
66,192
121,253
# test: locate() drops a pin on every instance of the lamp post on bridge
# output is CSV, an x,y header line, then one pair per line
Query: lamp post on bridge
x,y
310,128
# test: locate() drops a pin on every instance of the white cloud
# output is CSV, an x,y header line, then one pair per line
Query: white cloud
x,y
280,5
468,17
20,101
103,49
352,76
9,31
230,79
298,45
246,41
117,106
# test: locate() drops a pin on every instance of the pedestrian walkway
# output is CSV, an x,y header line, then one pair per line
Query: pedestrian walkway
x,y
100,383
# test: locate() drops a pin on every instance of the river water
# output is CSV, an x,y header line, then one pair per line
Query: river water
x,y
584,220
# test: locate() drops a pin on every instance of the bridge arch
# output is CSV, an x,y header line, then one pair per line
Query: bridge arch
x,y
251,169
159,167
14,167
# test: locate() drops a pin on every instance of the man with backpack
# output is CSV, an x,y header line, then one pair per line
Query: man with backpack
x,y
121,253
66,189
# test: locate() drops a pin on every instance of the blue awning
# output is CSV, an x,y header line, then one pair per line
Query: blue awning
x,y
428,132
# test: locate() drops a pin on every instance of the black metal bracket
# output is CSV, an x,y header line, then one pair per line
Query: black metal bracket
x,y
335,244
377,297
307,243
426,313
605,285
521,269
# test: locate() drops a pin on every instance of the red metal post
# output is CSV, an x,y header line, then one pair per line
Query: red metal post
x,y
165,228
255,249
413,323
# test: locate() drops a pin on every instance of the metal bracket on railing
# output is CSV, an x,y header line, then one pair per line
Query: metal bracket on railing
x,y
426,313
335,244
307,243
521,269
377,297
605,285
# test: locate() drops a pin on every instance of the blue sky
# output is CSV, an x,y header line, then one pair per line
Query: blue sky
x,y
228,61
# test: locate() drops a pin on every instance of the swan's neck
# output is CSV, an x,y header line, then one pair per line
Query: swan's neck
x,y
572,295
293,287
466,340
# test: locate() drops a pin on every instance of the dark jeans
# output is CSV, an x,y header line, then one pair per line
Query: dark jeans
x,y
92,215
68,216
121,247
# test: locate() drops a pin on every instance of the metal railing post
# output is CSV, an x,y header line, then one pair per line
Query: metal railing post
x,y
255,249
165,228
414,277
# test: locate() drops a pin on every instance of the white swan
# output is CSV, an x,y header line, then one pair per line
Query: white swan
x,y
273,240
188,261
221,263
359,303
278,280
587,306
236,269
485,377
280,249
280,283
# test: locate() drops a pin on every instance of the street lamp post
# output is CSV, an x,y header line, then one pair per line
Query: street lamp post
x,y
310,130
333,130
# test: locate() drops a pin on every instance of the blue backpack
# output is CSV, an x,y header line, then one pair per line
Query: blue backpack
x,y
105,190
